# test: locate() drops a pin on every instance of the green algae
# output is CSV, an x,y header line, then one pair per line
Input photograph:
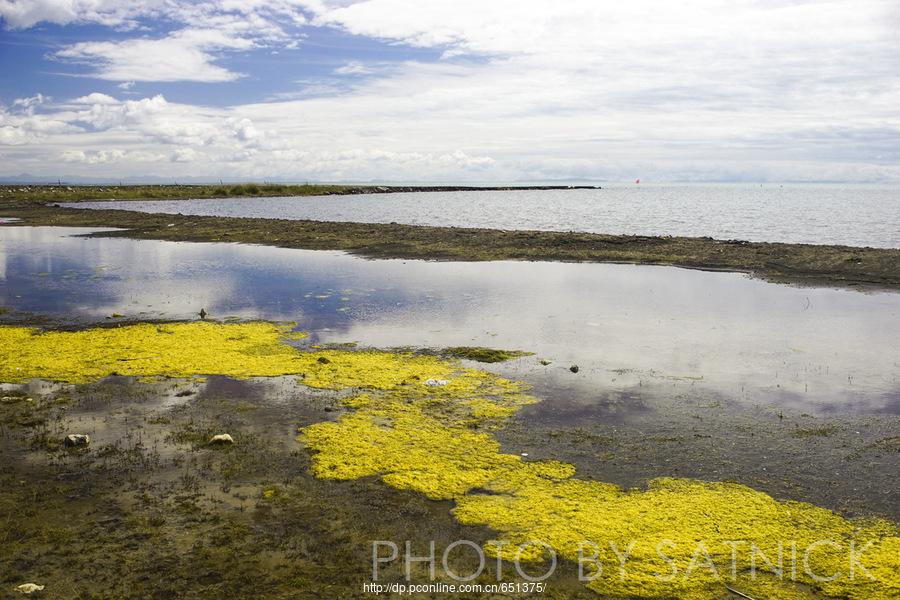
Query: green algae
x,y
485,355
435,440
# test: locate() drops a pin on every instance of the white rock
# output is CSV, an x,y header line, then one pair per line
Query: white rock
x,y
27,588
436,382
221,438
76,440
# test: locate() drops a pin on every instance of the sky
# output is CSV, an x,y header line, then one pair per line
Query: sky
x,y
451,90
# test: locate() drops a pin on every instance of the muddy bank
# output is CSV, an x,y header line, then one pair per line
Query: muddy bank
x,y
792,263
150,510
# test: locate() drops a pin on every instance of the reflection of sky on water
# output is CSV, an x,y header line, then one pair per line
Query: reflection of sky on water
x,y
627,327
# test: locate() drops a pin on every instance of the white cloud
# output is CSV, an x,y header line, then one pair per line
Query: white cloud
x,y
21,125
353,68
185,55
29,104
20,14
377,163
245,131
765,89
205,31
185,155
127,14
95,98
105,112
93,157
582,87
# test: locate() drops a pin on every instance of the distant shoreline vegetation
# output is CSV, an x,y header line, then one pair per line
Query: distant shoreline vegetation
x,y
39,193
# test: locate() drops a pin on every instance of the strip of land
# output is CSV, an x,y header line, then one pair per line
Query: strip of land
x,y
40,194
792,263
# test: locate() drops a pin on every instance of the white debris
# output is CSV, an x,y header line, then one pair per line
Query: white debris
x,y
436,382
27,588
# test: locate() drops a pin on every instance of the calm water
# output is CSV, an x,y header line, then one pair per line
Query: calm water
x,y
630,328
816,214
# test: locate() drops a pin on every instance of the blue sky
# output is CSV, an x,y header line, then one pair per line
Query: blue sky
x,y
451,90
266,72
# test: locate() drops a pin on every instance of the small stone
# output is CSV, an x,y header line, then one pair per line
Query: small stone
x,y
545,362
222,439
574,368
436,382
76,440
28,588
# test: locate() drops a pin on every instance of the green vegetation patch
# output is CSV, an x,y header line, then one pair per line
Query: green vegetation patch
x,y
485,355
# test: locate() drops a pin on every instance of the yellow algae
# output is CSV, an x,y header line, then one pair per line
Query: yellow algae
x,y
422,439
175,350
408,449
421,423
526,501
237,350
337,369
664,525
485,409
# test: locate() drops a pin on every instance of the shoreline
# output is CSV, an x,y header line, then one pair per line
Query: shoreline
x,y
807,264
11,194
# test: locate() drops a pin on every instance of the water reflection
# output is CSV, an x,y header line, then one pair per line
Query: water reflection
x,y
630,329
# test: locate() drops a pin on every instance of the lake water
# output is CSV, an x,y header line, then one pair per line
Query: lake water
x,y
627,327
714,376
854,215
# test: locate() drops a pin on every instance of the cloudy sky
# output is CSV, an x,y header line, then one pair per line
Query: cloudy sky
x,y
452,90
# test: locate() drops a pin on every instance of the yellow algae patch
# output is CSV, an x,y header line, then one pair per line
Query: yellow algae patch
x,y
338,369
485,409
408,449
237,350
676,528
684,538
403,436
176,350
